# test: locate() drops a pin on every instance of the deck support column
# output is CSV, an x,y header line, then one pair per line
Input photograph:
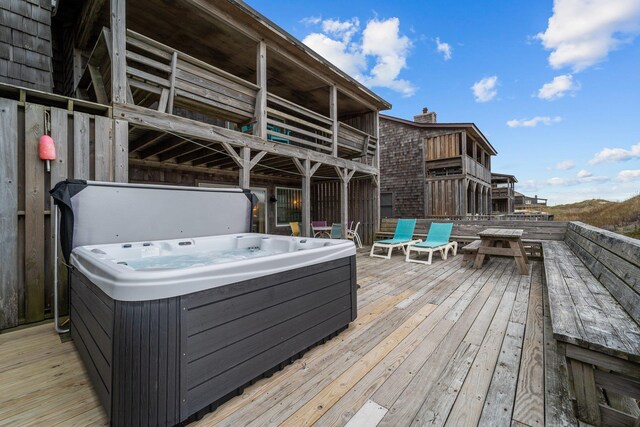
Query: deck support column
x,y
119,88
244,161
260,127
333,114
345,176
306,170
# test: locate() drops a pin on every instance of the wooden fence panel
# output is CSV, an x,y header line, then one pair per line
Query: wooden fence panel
x,y
81,147
84,150
8,213
34,214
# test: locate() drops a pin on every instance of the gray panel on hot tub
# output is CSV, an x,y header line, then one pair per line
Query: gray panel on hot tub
x,y
117,213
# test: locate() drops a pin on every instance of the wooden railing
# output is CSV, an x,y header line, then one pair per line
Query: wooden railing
x,y
356,140
161,78
501,192
290,123
478,170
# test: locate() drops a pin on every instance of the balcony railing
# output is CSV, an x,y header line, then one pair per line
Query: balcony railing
x,y
162,78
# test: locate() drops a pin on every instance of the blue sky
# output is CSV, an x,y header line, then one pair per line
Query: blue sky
x,y
554,85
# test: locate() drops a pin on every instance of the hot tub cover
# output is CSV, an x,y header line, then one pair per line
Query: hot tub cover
x,y
104,212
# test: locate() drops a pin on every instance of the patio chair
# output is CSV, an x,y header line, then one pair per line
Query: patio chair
x,y
295,229
352,234
437,240
336,231
402,237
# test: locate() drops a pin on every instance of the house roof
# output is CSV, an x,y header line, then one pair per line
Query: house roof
x,y
471,128
503,176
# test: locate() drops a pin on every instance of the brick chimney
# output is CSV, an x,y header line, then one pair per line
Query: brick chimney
x,y
426,116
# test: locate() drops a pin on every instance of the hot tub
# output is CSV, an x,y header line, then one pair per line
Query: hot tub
x,y
170,328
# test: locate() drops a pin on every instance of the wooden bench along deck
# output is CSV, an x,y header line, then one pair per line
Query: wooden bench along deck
x,y
593,280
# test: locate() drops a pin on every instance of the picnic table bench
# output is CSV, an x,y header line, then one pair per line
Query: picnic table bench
x,y
593,282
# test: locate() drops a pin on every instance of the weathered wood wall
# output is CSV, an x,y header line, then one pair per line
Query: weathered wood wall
x,y
325,205
25,44
84,151
443,146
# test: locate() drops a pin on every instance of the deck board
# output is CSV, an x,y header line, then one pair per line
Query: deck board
x,y
432,345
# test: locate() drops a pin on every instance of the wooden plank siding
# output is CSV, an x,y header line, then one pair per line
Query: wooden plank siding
x,y
431,346
84,151
443,146
325,205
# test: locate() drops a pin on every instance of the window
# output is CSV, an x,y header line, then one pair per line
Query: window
x,y
288,205
386,205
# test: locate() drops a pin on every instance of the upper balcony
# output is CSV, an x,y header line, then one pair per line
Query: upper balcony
x,y
214,71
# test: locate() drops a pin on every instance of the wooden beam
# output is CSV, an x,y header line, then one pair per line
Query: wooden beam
x,y
9,288
245,168
233,153
118,51
345,176
98,85
34,270
172,82
333,114
260,128
121,150
175,124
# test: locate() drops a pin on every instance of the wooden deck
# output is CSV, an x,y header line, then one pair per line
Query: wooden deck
x,y
432,345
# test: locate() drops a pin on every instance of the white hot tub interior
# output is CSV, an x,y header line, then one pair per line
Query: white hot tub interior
x,y
201,251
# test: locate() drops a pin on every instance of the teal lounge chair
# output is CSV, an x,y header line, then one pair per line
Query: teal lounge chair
x,y
437,240
401,238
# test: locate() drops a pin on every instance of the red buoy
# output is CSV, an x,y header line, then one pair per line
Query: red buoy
x,y
46,149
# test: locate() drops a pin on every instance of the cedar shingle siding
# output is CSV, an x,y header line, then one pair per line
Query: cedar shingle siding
x,y
402,168
25,43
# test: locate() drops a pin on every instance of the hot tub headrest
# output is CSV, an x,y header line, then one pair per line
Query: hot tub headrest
x,y
102,213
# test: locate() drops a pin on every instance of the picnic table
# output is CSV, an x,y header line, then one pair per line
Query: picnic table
x,y
502,242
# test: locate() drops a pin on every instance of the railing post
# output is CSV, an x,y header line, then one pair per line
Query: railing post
x,y
333,115
118,52
260,127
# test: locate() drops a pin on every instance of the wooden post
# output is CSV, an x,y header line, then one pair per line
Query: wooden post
x,y
118,51
307,171
121,151
345,177
172,83
119,88
333,115
34,270
9,213
260,127
245,168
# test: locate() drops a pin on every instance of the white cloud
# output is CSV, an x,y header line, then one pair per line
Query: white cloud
x,y
311,20
558,87
545,120
349,60
380,43
581,33
613,155
560,181
629,175
485,89
344,30
444,48
565,165
584,174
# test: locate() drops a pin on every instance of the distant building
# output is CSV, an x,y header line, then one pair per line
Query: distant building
x,y
433,169
529,203
502,193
